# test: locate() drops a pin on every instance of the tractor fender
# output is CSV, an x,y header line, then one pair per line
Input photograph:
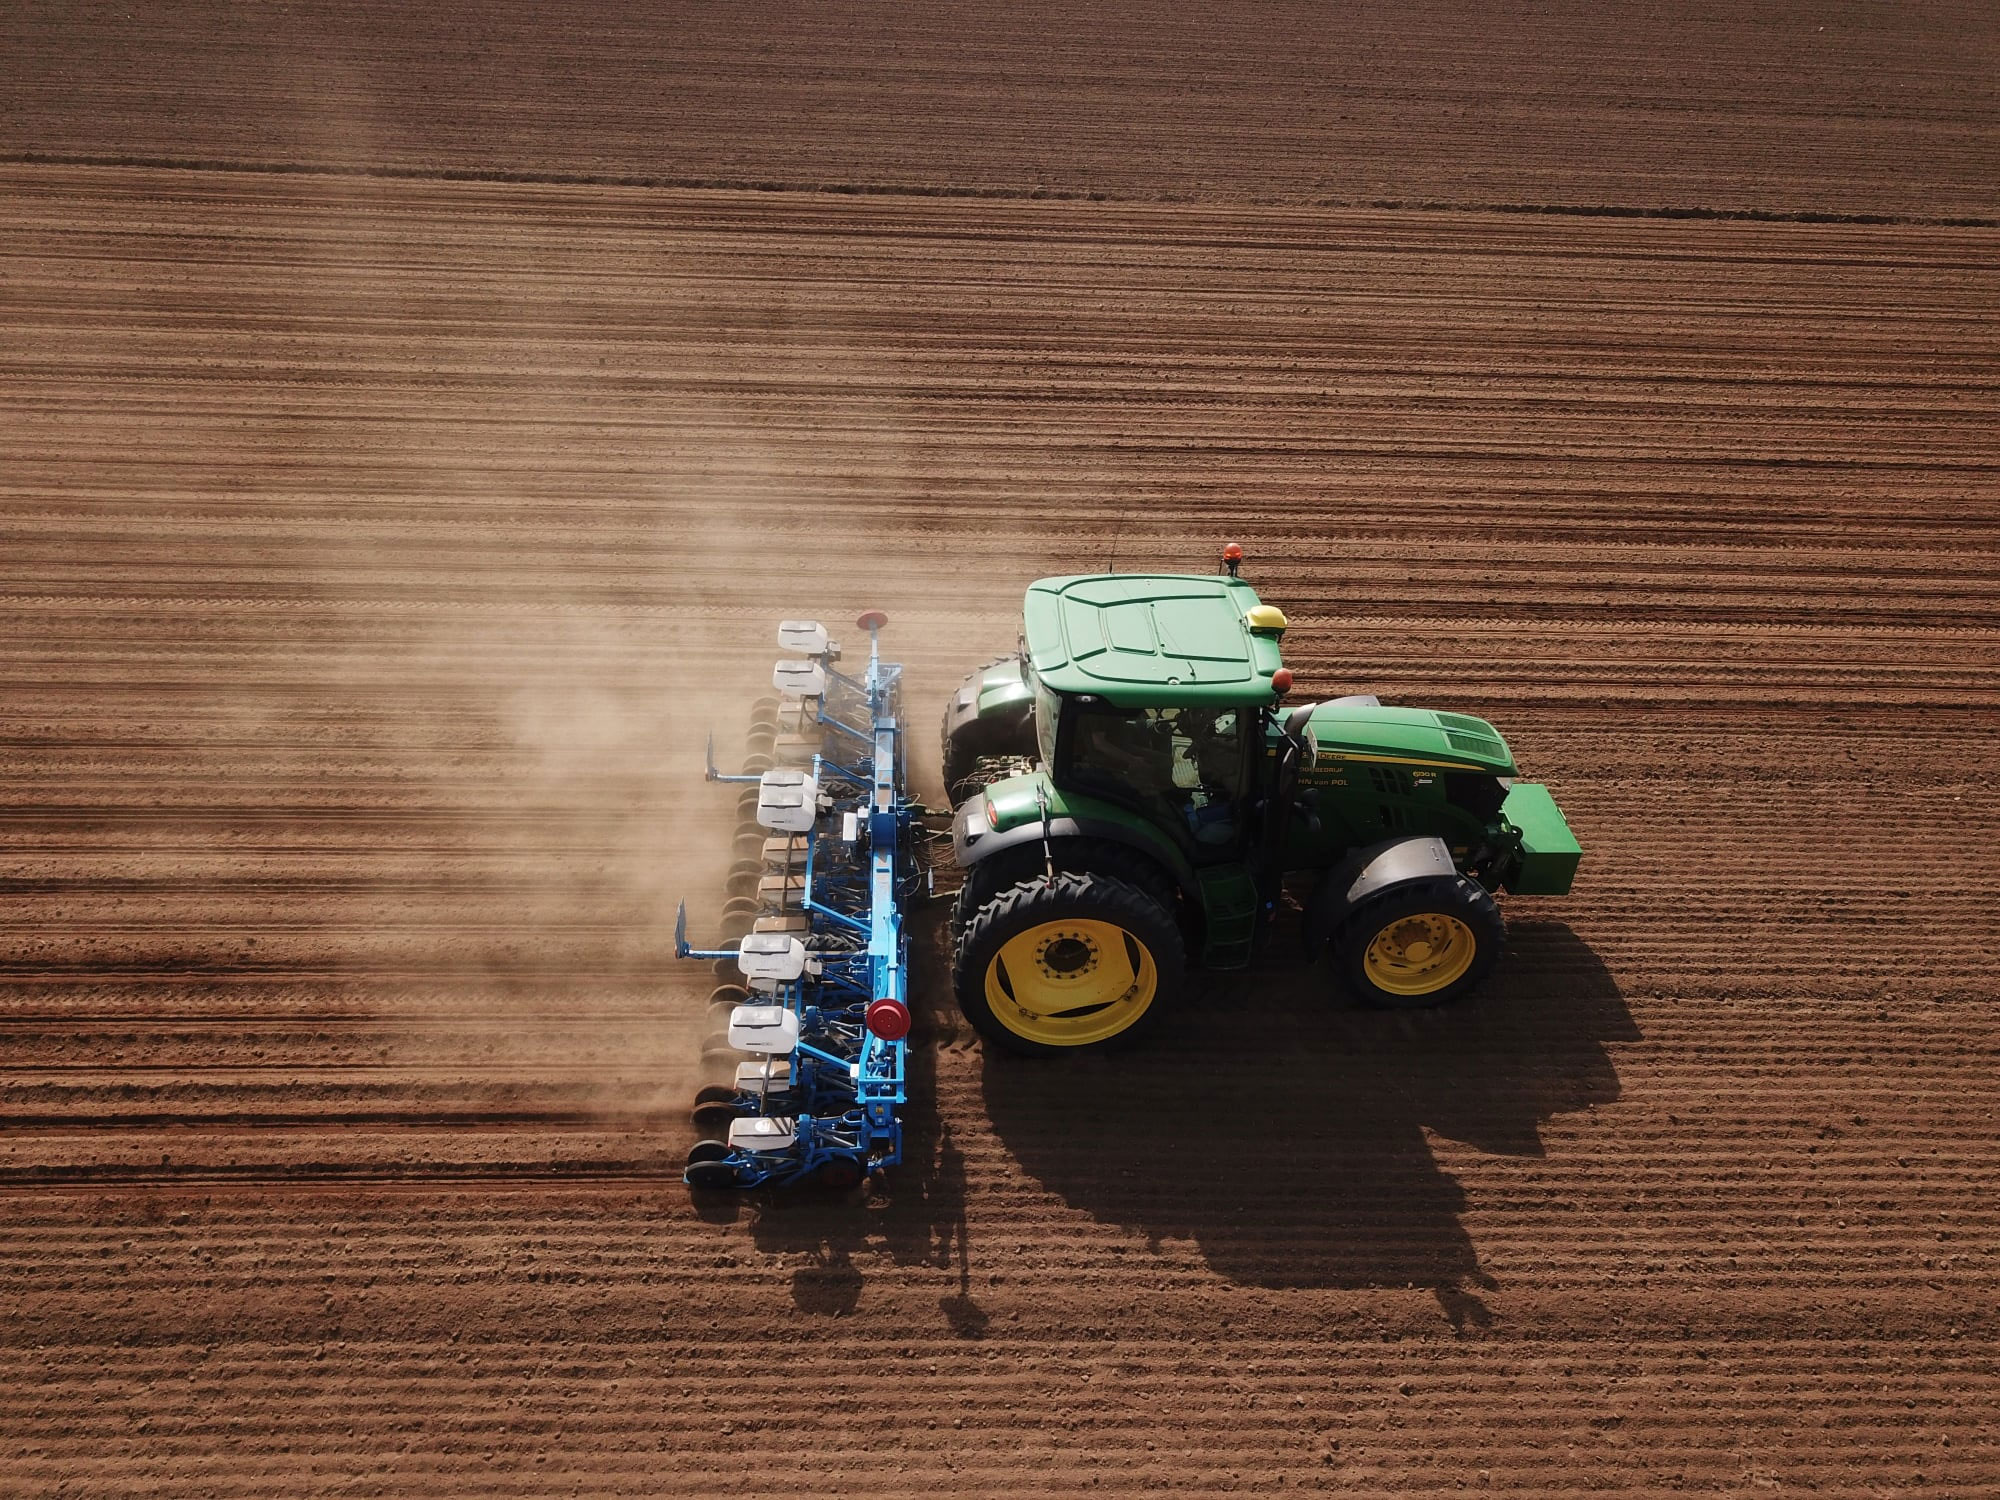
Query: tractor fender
x,y
993,710
1368,872
973,841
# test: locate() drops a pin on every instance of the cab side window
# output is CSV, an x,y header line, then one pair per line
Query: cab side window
x,y
1185,763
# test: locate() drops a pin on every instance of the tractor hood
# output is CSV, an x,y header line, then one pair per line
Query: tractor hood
x,y
1409,736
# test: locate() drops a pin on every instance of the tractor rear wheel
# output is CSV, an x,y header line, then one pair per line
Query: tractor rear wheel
x,y
1419,945
994,874
1058,964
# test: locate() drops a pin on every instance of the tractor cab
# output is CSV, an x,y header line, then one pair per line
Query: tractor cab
x,y
1152,691
1190,767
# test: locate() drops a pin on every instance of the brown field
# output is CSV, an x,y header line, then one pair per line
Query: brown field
x,y
406,447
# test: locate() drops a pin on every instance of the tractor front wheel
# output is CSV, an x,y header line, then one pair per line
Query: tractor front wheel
x,y
1419,945
1065,962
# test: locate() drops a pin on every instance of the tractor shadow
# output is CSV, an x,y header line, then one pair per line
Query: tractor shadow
x,y
1284,1132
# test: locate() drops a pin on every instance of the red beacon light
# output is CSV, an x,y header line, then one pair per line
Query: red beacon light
x,y
888,1018
1281,681
1232,557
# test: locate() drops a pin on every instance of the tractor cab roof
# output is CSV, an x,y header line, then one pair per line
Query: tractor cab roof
x,y
1153,640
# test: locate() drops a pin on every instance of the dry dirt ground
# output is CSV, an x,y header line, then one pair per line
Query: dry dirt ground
x,y
386,511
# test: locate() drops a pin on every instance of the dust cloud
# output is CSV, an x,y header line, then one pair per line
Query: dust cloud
x,y
556,589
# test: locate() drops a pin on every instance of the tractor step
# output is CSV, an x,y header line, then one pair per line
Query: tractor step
x,y
1230,896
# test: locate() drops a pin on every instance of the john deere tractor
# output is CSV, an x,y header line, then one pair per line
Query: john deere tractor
x,y
1132,797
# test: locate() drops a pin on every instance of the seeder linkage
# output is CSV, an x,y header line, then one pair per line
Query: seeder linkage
x,y
817,1007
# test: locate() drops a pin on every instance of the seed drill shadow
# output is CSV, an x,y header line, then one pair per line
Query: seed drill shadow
x,y
915,1215
1283,1132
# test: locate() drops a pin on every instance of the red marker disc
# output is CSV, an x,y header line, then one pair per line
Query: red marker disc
x,y
889,1019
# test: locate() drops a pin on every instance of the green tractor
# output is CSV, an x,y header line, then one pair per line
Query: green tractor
x,y
1130,797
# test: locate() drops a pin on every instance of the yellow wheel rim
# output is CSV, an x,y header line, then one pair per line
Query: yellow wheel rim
x,y
1420,954
1068,984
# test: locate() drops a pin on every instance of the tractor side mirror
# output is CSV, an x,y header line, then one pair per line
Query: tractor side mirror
x,y
1299,734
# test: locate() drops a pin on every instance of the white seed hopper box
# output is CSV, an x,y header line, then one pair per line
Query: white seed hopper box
x,y
799,678
807,637
767,1030
771,955
787,800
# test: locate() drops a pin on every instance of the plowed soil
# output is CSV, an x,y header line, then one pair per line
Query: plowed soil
x,y
387,513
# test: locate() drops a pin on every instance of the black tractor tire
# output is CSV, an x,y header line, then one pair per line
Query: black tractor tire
x,y
1455,920
1153,954
1009,867
991,876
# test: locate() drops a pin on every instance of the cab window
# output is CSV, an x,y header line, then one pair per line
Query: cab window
x,y
1188,763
